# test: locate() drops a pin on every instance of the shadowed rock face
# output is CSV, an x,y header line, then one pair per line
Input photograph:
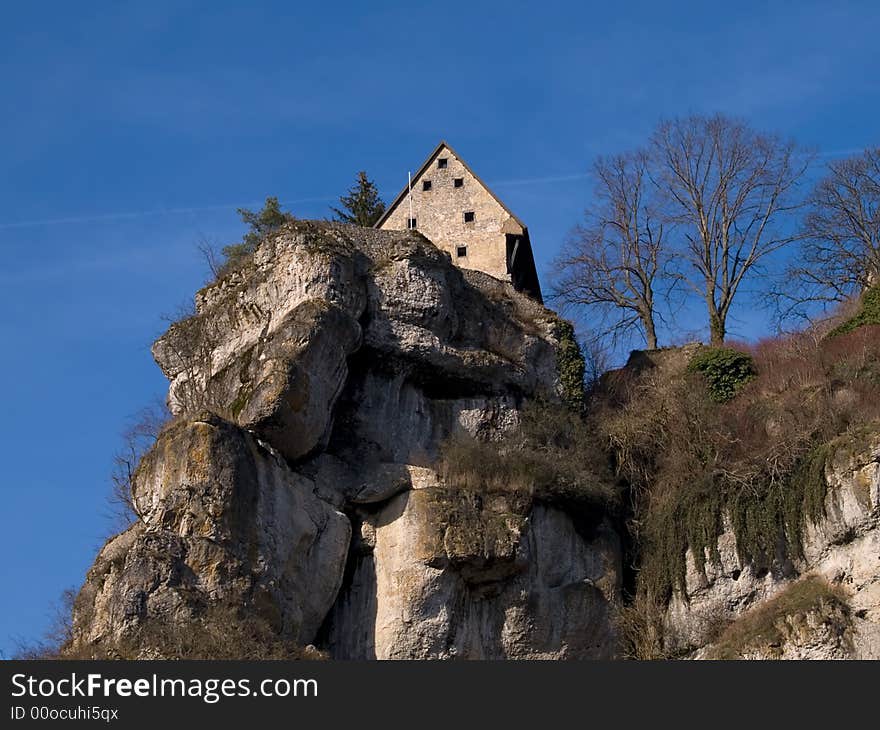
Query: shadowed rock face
x,y
311,393
442,574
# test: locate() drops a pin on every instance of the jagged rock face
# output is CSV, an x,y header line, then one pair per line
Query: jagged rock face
x,y
223,519
269,346
333,366
313,390
843,548
440,574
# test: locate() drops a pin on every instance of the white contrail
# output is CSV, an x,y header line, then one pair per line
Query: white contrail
x,y
144,213
841,153
568,177
542,180
105,217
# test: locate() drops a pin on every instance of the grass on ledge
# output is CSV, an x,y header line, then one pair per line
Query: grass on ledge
x,y
768,625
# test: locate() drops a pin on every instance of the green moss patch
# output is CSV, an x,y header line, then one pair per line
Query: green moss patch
x,y
766,515
570,364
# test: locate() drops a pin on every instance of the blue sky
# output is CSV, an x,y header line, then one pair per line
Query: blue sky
x,y
131,130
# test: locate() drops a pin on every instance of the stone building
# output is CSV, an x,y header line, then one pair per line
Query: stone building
x,y
450,205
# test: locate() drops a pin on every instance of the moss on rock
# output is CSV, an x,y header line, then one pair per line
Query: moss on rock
x,y
570,365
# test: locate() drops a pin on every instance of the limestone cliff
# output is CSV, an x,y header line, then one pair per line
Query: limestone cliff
x,y
298,496
838,619
312,391
757,516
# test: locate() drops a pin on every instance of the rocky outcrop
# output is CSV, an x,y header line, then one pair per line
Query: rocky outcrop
x,y
295,493
842,549
270,345
312,391
442,574
223,520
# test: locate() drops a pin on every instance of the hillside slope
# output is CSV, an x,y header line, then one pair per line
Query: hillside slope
x,y
754,527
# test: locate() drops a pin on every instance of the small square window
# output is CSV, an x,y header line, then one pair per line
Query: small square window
x,y
410,222
469,216
458,182
461,251
441,162
426,184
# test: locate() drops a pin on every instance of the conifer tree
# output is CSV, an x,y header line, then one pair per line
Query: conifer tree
x,y
260,224
362,205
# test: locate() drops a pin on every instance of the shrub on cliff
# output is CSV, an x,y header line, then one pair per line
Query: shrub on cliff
x,y
811,599
260,224
726,370
57,637
218,633
570,365
137,439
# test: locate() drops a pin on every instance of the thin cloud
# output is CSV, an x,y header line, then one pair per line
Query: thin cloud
x,y
542,180
103,217
841,153
110,217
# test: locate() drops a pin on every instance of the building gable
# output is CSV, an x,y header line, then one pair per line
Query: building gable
x,y
456,210
424,171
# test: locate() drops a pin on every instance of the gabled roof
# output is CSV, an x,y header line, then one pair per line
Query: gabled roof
x,y
425,166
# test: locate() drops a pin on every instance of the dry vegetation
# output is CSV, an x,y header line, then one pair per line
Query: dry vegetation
x,y
217,633
137,439
766,627
758,459
553,455
639,626
58,635
699,439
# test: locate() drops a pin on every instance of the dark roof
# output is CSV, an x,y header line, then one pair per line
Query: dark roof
x,y
424,167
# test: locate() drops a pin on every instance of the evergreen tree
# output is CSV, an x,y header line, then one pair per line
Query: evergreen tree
x,y
570,365
362,205
261,223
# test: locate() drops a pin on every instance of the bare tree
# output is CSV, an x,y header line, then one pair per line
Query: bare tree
x,y
137,439
729,189
57,636
597,362
840,253
210,254
612,262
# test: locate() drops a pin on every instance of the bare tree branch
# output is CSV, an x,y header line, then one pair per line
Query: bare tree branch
x,y
728,189
612,262
840,251
137,439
